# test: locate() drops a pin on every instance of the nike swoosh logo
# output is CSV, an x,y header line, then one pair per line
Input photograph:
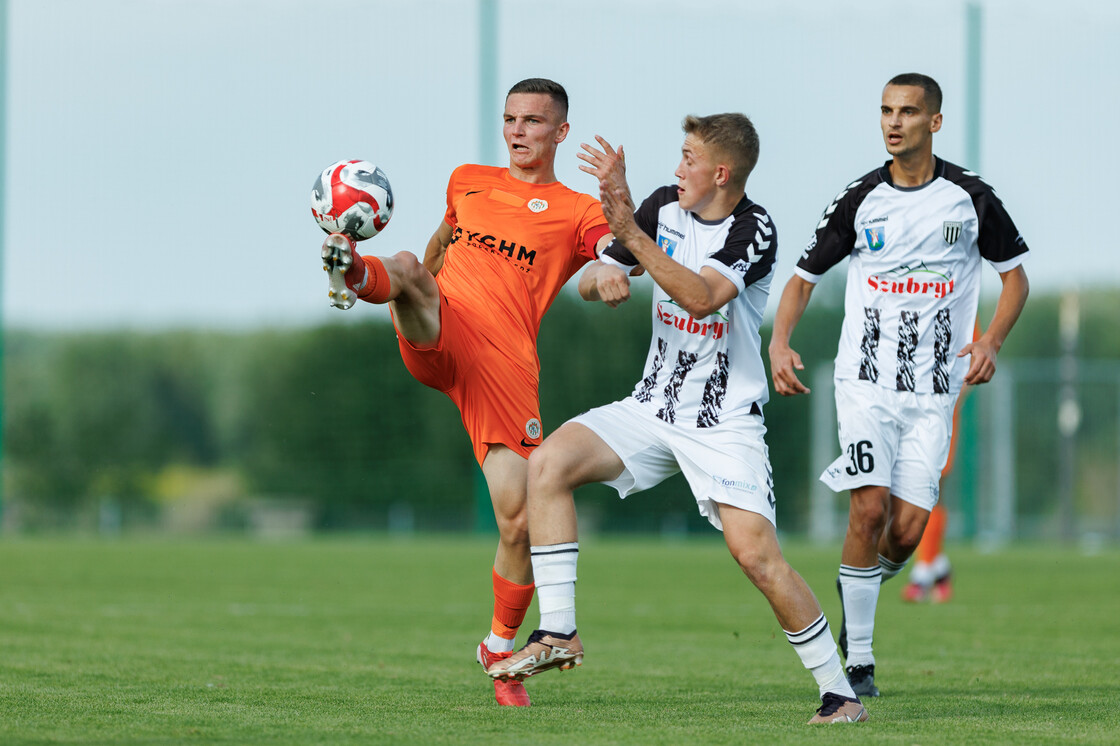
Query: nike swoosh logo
x,y
476,191
528,445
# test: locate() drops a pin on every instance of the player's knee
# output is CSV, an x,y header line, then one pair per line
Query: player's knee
x,y
513,526
906,537
550,468
406,270
762,568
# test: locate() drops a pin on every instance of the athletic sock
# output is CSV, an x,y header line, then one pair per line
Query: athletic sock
x,y
554,569
817,650
511,601
861,595
496,644
940,568
369,279
890,568
922,574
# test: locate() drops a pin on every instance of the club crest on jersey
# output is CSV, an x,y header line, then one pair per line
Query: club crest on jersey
x,y
533,428
951,230
537,205
876,237
667,244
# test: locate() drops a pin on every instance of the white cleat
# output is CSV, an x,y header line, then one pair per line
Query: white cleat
x,y
338,257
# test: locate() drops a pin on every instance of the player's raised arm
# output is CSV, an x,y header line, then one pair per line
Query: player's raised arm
x,y
784,360
698,293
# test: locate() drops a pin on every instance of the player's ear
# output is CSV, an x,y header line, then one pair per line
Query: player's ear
x,y
562,132
723,175
935,123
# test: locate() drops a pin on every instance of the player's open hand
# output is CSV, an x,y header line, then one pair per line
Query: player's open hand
x,y
982,366
784,360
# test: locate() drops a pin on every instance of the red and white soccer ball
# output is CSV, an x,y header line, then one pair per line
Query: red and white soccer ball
x,y
354,198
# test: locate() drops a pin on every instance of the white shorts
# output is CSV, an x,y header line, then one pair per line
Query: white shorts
x,y
895,439
728,463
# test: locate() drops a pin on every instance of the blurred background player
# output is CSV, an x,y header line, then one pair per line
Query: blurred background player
x,y
931,574
914,231
467,318
698,409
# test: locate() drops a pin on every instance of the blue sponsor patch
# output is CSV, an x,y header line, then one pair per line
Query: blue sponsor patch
x,y
667,244
876,237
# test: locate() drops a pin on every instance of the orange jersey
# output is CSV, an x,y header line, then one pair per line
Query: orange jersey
x,y
514,246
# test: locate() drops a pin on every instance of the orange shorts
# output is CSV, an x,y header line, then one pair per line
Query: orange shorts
x,y
497,399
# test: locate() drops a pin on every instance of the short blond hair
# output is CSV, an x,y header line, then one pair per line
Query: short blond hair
x,y
734,139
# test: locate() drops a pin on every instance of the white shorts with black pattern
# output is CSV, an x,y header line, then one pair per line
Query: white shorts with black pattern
x,y
888,438
728,463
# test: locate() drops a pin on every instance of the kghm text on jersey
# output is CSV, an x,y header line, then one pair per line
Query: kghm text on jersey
x,y
495,245
910,286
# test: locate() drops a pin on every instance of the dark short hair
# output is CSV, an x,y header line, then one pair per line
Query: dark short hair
x,y
546,86
732,136
926,83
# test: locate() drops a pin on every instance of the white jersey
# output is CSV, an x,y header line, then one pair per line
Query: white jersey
x,y
913,274
701,371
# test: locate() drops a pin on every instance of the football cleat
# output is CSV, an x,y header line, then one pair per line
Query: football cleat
x,y
915,593
862,679
338,257
942,590
838,709
543,651
509,693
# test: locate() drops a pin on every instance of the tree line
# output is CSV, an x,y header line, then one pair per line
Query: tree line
x,y
329,416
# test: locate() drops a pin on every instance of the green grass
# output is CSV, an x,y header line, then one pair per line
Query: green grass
x,y
371,640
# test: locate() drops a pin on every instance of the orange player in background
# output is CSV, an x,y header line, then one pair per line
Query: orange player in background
x,y
931,575
467,319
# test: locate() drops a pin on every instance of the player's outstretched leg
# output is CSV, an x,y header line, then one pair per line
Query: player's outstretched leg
x,y
753,542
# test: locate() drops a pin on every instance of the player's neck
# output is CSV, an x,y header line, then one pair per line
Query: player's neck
x,y
723,204
540,175
912,170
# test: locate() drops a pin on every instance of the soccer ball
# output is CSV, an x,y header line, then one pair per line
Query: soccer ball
x,y
353,198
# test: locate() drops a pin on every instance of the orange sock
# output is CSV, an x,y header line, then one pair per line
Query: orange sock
x,y
931,543
376,289
511,601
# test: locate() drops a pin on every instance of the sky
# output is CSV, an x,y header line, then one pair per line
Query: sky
x,y
160,153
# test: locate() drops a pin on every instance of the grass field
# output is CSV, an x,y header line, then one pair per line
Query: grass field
x,y
371,640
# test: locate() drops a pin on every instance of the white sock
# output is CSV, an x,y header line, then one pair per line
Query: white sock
x,y
860,587
940,567
817,650
922,574
890,568
554,571
497,644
